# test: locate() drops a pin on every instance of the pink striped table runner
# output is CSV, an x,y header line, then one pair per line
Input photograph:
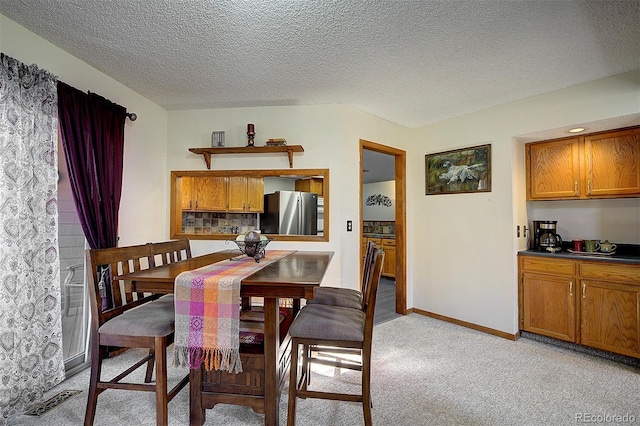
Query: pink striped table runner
x,y
207,309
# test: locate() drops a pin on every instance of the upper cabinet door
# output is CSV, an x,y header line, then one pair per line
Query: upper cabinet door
x,y
237,193
255,194
612,164
186,192
211,193
553,170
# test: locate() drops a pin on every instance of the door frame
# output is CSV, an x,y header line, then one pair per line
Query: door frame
x,y
401,218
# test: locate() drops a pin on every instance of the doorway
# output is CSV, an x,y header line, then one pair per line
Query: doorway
x,y
398,159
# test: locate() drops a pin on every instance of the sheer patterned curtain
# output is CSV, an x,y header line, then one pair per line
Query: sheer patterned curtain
x,y
31,359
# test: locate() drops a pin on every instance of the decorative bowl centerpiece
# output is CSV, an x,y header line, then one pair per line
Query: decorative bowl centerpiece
x,y
252,244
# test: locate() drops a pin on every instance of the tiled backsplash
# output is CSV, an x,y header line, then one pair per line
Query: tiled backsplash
x,y
378,227
218,223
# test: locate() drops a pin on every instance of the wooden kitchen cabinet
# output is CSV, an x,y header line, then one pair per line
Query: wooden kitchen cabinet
x,y
553,170
236,194
548,301
612,163
610,305
592,303
600,165
246,194
204,193
314,185
389,265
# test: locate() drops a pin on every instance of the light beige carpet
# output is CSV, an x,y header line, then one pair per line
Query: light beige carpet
x,y
425,372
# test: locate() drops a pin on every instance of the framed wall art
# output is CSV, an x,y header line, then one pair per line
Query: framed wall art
x,y
458,171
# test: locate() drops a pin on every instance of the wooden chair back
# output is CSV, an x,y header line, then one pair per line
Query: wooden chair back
x,y
170,251
367,270
369,299
107,294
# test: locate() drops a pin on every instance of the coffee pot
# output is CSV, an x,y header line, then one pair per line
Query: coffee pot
x,y
549,240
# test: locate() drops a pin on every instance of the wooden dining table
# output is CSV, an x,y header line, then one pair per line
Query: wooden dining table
x,y
294,276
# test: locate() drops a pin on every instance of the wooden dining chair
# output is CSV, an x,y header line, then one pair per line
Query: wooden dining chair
x,y
347,297
339,328
124,320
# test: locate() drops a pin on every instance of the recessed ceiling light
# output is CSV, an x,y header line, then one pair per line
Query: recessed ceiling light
x,y
577,130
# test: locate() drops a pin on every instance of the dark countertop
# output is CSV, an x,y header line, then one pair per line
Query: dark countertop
x,y
373,235
625,253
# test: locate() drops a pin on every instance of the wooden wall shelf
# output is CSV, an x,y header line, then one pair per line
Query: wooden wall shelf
x,y
208,152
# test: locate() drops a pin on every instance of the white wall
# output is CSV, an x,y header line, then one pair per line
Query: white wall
x,y
329,135
377,211
144,177
616,220
461,248
469,270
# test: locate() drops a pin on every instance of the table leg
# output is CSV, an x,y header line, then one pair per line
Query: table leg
x,y
196,412
271,364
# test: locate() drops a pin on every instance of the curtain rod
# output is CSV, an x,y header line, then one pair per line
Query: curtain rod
x,y
130,115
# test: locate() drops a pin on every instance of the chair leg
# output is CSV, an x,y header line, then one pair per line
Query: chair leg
x,y
162,412
149,375
92,399
366,389
306,370
293,385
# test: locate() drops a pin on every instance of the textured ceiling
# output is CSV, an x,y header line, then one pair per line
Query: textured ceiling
x,y
410,62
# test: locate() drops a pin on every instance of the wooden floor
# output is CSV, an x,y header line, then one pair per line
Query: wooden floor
x,y
386,301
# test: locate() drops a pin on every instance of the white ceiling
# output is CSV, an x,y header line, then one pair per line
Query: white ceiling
x,y
408,61
411,62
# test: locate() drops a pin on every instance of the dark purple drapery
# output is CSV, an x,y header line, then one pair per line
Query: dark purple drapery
x,y
92,129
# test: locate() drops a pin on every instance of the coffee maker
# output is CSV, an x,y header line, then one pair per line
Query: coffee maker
x,y
545,237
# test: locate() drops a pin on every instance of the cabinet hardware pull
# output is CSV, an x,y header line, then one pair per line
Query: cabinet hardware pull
x,y
196,205
575,187
190,204
584,290
589,186
570,288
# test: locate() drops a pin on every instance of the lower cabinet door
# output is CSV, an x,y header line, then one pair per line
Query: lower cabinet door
x,y
610,316
549,306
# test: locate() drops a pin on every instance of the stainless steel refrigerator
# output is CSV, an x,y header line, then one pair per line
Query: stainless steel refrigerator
x,y
290,213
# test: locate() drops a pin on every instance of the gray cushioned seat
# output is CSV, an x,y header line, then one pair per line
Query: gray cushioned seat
x,y
337,296
329,323
151,319
167,298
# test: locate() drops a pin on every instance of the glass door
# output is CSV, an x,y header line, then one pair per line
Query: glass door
x,y
72,243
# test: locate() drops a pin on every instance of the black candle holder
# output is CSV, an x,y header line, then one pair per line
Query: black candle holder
x,y
250,137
